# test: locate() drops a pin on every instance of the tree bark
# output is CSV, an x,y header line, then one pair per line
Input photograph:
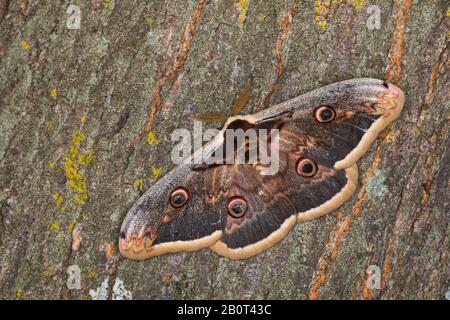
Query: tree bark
x,y
86,116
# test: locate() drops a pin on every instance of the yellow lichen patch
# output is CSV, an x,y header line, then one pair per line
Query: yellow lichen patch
x,y
80,198
156,171
358,4
59,199
323,8
447,14
52,164
108,6
48,272
84,216
49,125
152,138
75,166
138,184
320,23
389,133
242,7
71,225
54,226
19,293
91,273
320,10
389,137
24,45
83,119
53,92
85,159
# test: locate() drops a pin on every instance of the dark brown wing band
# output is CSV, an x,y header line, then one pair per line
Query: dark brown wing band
x,y
235,246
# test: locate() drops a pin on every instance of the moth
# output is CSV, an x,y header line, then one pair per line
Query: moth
x,y
239,212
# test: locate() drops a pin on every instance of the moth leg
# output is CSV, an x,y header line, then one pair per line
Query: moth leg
x,y
238,105
242,99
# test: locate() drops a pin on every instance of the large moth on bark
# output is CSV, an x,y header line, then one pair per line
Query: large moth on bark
x,y
238,211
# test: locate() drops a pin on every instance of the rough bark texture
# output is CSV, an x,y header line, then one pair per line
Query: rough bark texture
x,y
86,117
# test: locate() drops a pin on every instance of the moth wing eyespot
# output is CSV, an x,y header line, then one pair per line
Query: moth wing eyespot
x,y
306,167
237,207
179,197
324,114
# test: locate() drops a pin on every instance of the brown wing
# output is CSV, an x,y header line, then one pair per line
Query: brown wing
x,y
276,202
153,226
360,109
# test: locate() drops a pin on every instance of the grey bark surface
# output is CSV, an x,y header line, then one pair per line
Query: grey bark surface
x,y
75,107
